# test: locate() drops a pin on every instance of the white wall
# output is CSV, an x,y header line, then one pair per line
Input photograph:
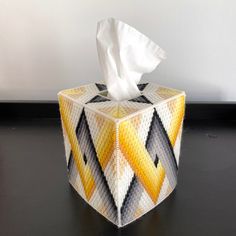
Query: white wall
x,y
48,45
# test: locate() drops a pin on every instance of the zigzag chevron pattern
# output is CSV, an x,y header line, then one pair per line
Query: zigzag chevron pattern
x,y
122,157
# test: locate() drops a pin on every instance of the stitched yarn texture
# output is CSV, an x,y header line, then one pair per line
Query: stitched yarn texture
x,y
122,156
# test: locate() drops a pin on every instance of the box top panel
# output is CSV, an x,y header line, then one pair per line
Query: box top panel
x,y
95,97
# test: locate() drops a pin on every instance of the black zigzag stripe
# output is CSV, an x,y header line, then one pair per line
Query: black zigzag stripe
x,y
87,147
127,195
70,161
101,87
156,161
131,200
142,86
166,138
71,167
140,99
98,98
155,158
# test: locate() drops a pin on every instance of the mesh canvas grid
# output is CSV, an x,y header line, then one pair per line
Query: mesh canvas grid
x,y
122,157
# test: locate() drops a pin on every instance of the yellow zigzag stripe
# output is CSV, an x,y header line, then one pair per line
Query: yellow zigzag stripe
x,y
139,159
105,143
177,118
84,171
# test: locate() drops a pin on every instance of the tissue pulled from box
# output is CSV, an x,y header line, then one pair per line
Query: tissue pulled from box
x,y
125,55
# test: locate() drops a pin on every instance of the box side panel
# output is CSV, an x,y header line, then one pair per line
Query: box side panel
x,y
91,163
171,114
70,113
148,145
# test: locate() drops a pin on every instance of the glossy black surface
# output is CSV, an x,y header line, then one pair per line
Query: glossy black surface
x,y
36,199
50,109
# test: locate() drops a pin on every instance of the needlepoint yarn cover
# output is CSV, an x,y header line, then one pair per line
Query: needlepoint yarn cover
x,y
122,156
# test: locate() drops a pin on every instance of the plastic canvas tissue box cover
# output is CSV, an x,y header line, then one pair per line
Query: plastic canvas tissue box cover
x,y
122,156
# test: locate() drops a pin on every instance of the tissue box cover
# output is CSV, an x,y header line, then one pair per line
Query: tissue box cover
x,y
122,157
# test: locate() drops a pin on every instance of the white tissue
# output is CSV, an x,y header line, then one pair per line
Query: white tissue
x,y
125,55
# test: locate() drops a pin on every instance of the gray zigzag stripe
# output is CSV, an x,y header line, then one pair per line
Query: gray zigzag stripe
x,y
158,144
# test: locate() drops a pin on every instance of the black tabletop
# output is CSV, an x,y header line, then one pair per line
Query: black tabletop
x,y
36,198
